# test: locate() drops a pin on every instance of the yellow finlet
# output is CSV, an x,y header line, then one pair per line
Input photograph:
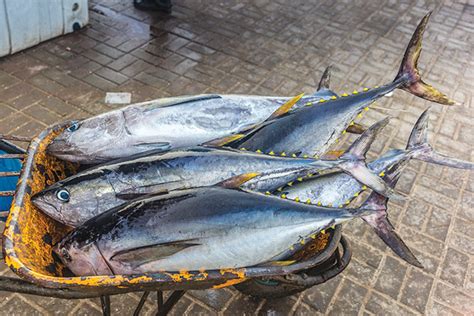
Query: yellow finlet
x,y
322,101
364,187
258,151
297,199
290,183
355,92
366,108
323,231
359,115
344,94
224,140
300,179
293,155
308,201
333,97
302,242
382,174
243,148
308,103
286,106
267,193
283,154
366,89
305,156
280,189
271,153
356,194
313,236
283,196
237,181
319,203
344,132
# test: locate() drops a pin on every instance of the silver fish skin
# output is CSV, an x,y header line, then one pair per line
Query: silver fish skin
x,y
339,189
98,189
163,124
202,228
312,130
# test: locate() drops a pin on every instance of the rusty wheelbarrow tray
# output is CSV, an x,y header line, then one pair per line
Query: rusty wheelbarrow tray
x,y
29,236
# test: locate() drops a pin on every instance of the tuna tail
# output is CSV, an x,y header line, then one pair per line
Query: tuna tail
x,y
409,75
380,223
354,161
420,149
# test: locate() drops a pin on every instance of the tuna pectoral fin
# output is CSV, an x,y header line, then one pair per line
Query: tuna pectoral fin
x,y
420,148
380,223
154,146
165,102
237,181
361,145
409,74
142,255
364,175
223,141
356,128
286,107
131,194
384,229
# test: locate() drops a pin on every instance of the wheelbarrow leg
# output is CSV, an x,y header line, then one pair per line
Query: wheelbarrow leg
x,y
170,303
105,302
141,303
159,299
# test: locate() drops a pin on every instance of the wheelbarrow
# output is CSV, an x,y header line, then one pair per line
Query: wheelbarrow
x,y
29,236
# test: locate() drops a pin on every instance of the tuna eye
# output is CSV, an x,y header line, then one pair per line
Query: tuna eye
x,y
65,255
74,127
63,195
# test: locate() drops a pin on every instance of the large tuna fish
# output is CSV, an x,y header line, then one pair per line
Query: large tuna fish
x,y
338,189
188,121
76,199
196,229
312,130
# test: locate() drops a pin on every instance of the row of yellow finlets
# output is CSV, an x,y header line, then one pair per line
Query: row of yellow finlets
x,y
284,154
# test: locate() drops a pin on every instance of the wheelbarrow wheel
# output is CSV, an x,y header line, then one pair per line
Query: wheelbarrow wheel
x,y
274,288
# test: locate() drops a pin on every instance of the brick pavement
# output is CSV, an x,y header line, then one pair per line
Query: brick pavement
x,y
281,47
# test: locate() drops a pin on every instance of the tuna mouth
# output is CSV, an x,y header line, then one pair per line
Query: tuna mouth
x,y
47,208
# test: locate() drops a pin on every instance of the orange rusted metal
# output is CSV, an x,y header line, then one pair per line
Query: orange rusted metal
x,y
30,235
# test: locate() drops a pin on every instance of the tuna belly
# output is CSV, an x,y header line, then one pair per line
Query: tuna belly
x,y
239,248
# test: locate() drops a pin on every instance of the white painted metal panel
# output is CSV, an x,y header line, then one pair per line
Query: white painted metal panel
x,y
4,33
51,19
23,20
25,23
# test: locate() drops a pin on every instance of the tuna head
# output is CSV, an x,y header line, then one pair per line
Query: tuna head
x,y
84,141
82,259
71,201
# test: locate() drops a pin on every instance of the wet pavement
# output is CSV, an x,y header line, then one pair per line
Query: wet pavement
x,y
281,47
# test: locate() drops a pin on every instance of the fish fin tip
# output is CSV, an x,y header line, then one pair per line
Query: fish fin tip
x,y
325,80
286,107
223,141
408,73
237,181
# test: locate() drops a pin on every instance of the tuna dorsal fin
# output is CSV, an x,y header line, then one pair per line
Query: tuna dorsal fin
x,y
325,79
223,140
356,128
237,181
361,145
283,109
141,255
165,102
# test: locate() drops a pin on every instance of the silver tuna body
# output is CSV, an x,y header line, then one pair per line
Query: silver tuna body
x,y
162,124
204,228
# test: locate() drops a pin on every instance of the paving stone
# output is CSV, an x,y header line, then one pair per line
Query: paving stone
x,y
381,305
417,290
454,267
454,298
319,297
349,299
391,277
214,298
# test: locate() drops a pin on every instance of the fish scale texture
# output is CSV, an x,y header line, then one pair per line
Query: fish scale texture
x,y
281,47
